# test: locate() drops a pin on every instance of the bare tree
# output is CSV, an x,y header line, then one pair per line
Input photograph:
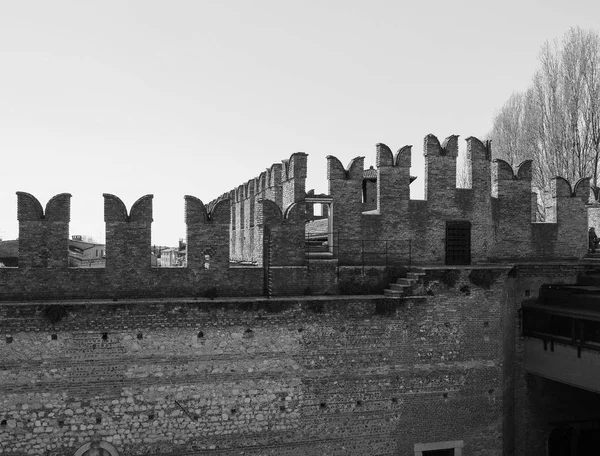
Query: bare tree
x,y
556,122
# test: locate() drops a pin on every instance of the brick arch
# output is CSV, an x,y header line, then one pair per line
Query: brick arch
x,y
102,444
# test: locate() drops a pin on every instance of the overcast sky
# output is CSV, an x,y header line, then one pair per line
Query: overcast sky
x,y
196,97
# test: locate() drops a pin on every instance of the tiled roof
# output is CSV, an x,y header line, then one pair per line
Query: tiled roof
x,y
371,173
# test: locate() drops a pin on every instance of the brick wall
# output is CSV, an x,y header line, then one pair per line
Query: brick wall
x,y
499,206
43,236
290,376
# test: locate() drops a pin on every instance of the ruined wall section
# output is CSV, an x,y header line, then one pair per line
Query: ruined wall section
x,y
284,184
43,235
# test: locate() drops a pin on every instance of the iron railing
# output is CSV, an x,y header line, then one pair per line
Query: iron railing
x,y
361,252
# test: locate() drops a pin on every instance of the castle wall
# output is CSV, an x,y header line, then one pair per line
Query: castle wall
x,y
330,375
42,272
513,221
284,184
499,206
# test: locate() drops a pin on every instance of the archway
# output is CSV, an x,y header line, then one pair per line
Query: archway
x,y
97,448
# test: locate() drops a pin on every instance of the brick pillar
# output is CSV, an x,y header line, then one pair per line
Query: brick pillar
x,y
293,179
128,237
43,237
207,234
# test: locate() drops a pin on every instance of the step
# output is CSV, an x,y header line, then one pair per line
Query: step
x,y
317,248
403,281
393,293
415,275
398,286
316,241
319,255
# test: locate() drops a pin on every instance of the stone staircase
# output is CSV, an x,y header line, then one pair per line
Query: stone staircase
x,y
317,248
404,286
592,257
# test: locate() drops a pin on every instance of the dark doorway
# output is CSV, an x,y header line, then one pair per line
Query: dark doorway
x,y
588,443
446,452
562,442
569,442
458,242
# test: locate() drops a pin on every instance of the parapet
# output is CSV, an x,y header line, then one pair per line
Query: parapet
x,y
562,188
432,146
401,158
58,208
115,210
477,150
43,236
336,171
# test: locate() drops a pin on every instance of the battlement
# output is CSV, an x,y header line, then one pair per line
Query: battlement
x,y
252,239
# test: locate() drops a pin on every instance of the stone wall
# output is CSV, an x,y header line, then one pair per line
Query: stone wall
x,y
283,184
499,206
290,376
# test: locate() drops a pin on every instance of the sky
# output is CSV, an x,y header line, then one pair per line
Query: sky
x,y
197,97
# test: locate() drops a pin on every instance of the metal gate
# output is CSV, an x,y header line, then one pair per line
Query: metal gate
x,y
458,242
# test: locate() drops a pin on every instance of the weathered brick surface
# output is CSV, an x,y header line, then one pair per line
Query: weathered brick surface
x,y
43,236
283,184
296,376
499,205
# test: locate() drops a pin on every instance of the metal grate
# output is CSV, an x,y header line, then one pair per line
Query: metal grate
x,y
458,242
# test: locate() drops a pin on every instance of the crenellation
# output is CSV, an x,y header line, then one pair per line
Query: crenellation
x,y
440,168
513,220
384,156
43,236
478,158
449,147
403,157
232,231
128,236
208,359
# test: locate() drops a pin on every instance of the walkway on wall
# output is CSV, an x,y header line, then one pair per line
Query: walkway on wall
x,y
562,333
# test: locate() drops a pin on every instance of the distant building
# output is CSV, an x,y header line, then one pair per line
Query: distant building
x,y
84,254
9,253
172,257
